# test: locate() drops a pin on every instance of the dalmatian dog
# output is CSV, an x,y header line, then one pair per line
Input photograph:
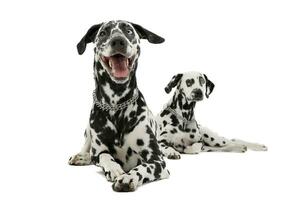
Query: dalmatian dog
x,y
120,136
179,132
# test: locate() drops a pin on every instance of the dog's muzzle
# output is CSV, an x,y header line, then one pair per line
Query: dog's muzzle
x,y
197,94
119,63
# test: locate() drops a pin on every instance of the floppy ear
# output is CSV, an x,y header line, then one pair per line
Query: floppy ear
x,y
146,34
173,82
88,38
209,86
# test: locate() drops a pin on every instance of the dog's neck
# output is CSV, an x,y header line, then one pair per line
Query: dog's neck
x,y
182,106
109,92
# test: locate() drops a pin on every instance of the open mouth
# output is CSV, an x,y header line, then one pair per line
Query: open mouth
x,y
118,65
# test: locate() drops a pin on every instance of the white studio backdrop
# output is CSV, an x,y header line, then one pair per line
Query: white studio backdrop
x,y
249,49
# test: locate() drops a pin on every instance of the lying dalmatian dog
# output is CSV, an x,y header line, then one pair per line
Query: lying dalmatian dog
x,y
179,132
120,137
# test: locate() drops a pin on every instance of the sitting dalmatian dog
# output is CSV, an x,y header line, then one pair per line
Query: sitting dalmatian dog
x,y
179,132
120,137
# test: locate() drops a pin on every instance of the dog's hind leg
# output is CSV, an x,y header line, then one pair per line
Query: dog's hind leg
x,y
141,174
83,157
211,138
249,145
215,143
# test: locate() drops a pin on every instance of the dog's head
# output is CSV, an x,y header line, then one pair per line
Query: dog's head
x,y
117,47
193,85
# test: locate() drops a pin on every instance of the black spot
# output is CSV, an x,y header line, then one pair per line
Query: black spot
x,y
212,139
191,136
129,151
97,142
93,150
206,136
189,82
139,176
144,154
173,131
164,123
193,130
174,120
145,180
148,170
140,142
224,142
132,114
217,145
158,170
164,132
164,112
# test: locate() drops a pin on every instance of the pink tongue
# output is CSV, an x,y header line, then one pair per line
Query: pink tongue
x,y
119,66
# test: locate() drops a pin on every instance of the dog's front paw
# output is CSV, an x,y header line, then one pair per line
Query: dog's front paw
x,y
194,148
258,147
171,153
113,173
80,159
125,183
174,155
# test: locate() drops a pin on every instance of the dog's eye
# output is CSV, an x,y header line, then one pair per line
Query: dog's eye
x,y
129,31
202,81
102,33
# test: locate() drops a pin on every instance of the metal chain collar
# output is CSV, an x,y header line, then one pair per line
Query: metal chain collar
x,y
107,107
180,116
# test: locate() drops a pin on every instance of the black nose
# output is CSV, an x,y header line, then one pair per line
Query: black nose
x,y
197,94
118,43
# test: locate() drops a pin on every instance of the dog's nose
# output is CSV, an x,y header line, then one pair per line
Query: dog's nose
x,y
118,43
197,94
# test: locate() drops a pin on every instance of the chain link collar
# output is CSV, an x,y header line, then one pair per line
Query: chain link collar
x,y
180,116
107,107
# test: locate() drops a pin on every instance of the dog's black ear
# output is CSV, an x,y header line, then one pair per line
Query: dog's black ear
x,y
146,34
173,82
88,38
209,86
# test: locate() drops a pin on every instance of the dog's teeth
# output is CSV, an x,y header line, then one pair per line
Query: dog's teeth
x,y
110,63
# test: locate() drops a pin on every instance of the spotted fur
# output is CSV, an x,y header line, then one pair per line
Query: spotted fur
x,y
179,132
121,142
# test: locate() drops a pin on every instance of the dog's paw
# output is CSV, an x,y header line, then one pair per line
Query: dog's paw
x,y
113,173
80,159
174,155
194,148
125,183
171,153
258,147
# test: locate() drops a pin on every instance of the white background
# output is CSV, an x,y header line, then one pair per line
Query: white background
x,y
249,49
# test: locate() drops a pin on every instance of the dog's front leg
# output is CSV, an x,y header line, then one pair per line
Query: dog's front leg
x,y
250,145
83,157
143,173
168,151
